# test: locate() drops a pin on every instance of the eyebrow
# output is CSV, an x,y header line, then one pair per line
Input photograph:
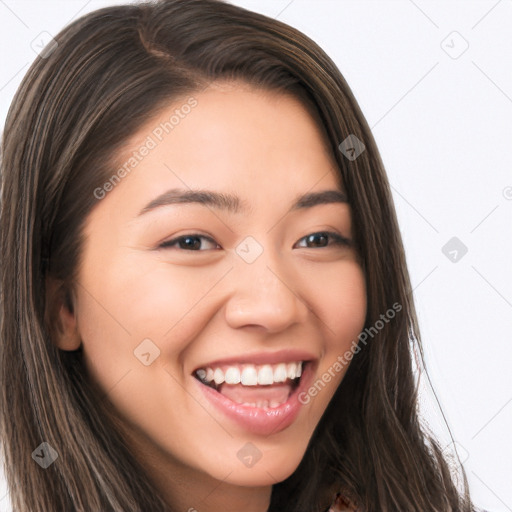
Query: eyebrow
x,y
233,204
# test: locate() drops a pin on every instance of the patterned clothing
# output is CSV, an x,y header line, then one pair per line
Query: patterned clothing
x,y
342,504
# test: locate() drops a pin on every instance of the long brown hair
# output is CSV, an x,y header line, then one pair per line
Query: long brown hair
x,y
109,73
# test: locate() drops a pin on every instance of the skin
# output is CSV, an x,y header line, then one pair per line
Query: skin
x,y
198,306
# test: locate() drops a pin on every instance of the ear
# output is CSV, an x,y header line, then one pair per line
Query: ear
x,y
60,316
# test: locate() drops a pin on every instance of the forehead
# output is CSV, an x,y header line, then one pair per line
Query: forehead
x,y
260,144
247,116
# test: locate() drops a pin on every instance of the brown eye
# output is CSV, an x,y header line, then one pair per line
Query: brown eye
x,y
190,242
321,239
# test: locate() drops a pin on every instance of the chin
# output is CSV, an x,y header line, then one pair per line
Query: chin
x,y
274,466
261,475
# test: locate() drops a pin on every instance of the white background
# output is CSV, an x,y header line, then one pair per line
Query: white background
x,y
443,123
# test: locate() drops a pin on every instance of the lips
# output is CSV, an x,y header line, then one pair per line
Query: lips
x,y
261,409
266,373
255,385
258,392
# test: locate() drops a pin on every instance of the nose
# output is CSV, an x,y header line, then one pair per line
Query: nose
x,y
264,295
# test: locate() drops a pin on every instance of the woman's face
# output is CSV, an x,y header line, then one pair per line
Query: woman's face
x,y
240,282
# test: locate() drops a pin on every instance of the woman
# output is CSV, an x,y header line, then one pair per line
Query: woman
x,y
205,299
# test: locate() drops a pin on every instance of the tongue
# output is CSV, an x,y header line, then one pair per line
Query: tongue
x,y
252,394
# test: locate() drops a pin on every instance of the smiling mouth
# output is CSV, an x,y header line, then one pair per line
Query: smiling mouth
x,y
264,386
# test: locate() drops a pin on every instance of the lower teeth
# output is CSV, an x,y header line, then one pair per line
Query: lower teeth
x,y
265,404
261,404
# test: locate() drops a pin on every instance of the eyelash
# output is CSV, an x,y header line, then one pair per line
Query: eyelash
x,y
338,240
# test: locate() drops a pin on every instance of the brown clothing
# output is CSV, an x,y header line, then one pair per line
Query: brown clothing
x,y
342,504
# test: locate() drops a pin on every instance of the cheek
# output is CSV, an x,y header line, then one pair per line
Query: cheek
x,y
350,309
340,303
343,304
119,306
349,316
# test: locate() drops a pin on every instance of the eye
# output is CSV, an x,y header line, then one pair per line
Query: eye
x,y
321,239
191,242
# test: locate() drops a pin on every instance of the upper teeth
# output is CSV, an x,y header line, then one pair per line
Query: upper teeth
x,y
251,375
